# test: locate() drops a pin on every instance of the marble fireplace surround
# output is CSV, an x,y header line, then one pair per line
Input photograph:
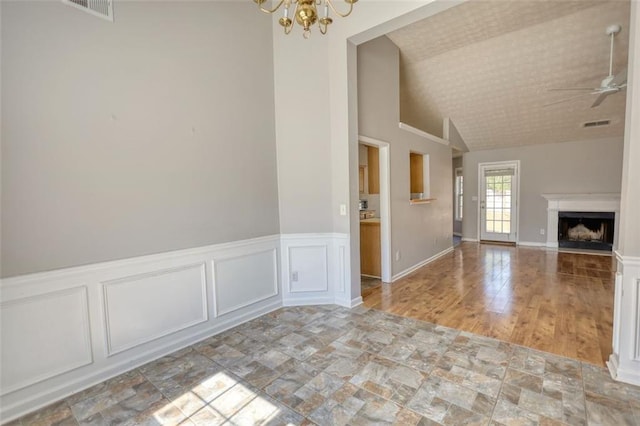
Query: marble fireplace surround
x,y
589,202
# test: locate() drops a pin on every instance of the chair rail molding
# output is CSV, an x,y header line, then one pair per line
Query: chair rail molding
x,y
175,299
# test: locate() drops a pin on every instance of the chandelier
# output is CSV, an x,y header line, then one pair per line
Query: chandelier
x,y
306,13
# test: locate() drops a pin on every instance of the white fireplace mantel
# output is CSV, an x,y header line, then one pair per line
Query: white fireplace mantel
x,y
589,202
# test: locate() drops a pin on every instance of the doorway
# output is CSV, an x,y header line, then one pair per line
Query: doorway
x,y
499,201
381,204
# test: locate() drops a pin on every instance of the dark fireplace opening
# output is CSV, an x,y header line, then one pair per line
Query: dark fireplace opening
x,y
586,230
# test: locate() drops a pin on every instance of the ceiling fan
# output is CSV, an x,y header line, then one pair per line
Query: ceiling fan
x,y
610,84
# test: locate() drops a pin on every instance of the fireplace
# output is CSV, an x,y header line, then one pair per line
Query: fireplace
x,y
585,207
586,230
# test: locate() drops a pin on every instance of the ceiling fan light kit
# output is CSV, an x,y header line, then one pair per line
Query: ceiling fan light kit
x,y
610,84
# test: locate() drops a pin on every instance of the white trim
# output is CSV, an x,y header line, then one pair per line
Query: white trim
x,y
624,362
106,267
106,361
215,266
369,276
12,410
357,301
631,376
419,265
333,256
509,163
112,349
423,134
595,196
385,204
531,244
84,325
589,202
309,300
325,258
456,194
627,260
458,234
471,240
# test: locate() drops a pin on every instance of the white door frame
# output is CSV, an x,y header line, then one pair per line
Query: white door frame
x,y
481,166
385,204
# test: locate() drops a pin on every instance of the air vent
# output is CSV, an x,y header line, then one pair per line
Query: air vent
x,y
597,123
100,8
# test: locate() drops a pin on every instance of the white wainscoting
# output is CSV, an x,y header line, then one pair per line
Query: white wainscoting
x,y
259,281
315,269
82,317
94,322
624,363
58,326
158,303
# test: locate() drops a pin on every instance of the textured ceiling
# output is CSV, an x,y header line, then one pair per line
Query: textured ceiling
x,y
488,66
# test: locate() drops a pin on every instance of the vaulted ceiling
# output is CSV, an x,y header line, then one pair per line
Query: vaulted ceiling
x,y
489,65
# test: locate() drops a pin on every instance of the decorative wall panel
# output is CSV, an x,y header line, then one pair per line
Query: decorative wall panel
x,y
43,336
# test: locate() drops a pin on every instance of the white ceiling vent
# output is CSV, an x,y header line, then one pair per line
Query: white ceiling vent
x,y
100,8
598,123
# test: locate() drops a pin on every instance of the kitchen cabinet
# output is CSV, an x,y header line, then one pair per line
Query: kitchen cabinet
x,y
416,171
373,164
370,261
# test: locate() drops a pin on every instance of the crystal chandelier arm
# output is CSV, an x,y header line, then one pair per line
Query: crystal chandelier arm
x,y
330,3
272,10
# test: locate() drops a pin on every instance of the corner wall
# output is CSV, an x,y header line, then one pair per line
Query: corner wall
x,y
418,232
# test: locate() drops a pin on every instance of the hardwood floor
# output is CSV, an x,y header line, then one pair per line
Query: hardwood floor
x,y
552,301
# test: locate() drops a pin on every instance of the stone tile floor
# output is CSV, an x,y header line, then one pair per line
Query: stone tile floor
x,y
329,365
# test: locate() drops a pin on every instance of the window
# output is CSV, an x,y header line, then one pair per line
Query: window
x,y
459,187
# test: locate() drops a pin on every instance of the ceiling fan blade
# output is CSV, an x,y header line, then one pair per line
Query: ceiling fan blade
x,y
567,99
620,78
600,98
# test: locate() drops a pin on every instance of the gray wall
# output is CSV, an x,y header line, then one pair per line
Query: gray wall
x,y
570,167
149,134
457,224
418,231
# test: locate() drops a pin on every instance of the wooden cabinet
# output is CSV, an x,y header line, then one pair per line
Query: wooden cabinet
x,y
370,261
373,163
416,169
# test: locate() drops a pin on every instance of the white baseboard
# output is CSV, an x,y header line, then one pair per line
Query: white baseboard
x,y
308,301
531,244
458,234
627,376
357,301
80,315
84,312
420,265
471,240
